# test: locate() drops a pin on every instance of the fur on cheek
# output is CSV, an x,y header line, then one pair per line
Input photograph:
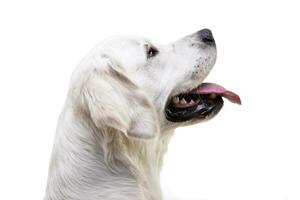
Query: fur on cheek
x,y
113,100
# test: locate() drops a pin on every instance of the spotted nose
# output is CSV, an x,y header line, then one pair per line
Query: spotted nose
x,y
206,36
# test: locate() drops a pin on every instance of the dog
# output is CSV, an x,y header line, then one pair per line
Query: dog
x,y
125,99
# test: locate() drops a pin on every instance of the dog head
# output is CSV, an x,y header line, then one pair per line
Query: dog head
x,y
138,87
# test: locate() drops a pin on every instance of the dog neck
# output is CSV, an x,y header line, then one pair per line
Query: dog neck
x,y
88,163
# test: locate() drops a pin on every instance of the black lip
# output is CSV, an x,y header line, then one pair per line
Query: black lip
x,y
205,108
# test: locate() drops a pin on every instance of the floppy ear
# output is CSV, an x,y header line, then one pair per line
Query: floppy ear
x,y
113,100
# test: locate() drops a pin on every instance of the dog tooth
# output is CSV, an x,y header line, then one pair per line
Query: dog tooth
x,y
192,102
175,100
182,101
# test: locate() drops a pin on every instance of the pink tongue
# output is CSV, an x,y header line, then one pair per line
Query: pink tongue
x,y
208,88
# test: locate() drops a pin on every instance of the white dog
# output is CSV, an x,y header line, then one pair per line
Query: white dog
x,y
126,97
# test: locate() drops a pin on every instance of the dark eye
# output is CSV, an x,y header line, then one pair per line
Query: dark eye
x,y
151,52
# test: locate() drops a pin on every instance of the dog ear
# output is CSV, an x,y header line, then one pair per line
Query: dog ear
x,y
113,100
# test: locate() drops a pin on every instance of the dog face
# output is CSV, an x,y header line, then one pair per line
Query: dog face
x,y
136,86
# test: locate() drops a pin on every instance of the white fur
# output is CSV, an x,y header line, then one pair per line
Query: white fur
x,y
112,132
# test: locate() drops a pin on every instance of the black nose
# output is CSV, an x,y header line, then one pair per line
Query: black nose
x,y
206,36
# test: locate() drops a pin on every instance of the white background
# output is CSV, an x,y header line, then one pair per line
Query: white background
x,y
247,152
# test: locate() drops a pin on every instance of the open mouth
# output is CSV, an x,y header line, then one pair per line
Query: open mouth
x,y
202,102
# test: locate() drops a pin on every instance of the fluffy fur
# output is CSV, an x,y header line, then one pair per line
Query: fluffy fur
x,y
112,132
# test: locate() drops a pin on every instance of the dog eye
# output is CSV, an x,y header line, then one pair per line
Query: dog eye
x,y
151,52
